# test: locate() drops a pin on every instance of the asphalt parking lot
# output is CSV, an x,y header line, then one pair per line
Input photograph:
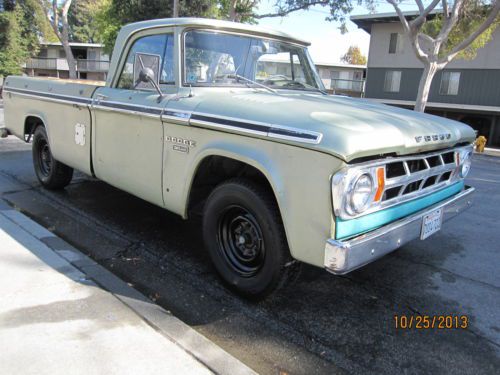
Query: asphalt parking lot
x,y
323,323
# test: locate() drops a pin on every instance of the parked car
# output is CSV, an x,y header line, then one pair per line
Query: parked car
x,y
284,173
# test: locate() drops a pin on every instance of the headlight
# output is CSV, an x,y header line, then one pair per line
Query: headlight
x,y
465,164
361,193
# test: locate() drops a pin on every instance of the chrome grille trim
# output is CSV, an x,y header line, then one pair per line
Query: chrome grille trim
x,y
402,180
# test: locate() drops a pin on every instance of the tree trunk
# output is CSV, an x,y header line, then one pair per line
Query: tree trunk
x,y
233,16
424,87
70,58
175,12
65,40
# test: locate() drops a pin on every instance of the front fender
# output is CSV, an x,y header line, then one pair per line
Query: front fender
x,y
300,180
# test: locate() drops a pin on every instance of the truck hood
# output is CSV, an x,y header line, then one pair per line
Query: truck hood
x,y
351,128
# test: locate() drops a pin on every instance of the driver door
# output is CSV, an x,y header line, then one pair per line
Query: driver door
x,y
128,132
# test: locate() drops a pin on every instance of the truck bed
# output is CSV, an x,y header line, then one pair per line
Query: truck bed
x,y
64,104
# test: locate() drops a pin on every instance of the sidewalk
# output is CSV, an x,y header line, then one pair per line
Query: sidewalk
x,y
492,151
61,313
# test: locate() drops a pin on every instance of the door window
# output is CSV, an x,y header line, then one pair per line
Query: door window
x,y
161,45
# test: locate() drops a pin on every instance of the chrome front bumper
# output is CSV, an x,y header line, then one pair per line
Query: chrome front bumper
x,y
342,257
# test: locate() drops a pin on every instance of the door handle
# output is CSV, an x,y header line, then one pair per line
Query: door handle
x,y
101,97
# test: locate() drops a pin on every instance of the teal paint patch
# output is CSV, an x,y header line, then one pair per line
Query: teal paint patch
x,y
348,228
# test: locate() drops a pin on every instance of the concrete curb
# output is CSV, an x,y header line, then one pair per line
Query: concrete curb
x,y
204,350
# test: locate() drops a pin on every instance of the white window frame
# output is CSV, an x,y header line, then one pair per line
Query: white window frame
x,y
450,85
398,48
395,81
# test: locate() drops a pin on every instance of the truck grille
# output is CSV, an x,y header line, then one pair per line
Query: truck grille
x,y
416,175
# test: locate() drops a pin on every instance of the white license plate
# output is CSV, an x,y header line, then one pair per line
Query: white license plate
x,y
431,223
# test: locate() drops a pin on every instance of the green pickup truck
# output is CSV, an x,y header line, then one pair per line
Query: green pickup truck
x,y
192,118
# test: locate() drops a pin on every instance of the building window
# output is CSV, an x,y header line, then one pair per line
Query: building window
x,y
392,80
449,83
43,53
324,73
393,43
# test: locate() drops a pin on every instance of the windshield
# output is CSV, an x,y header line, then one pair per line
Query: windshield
x,y
217,59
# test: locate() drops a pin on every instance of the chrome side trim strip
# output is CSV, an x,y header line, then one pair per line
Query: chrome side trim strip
x,y
48,96
257,128
134,109
125,111
205,119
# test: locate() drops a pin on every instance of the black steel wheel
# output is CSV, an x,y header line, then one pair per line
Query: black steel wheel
x,y
51,173
241,241
244,235
45,158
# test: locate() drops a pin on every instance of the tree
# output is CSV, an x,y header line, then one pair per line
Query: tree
x,y
14,51
22,25
354,56
81,19
58,18
456,32
244,10
113,14
238,10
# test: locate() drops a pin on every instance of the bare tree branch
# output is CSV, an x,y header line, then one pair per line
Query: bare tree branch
x,y
402,18
450,21
410,32
467,41
420,5
444,5
55,20
420,20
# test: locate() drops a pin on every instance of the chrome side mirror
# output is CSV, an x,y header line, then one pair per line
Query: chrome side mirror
x,y
147,72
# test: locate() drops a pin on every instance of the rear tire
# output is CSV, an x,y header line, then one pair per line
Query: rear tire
x,y
51,173
244,235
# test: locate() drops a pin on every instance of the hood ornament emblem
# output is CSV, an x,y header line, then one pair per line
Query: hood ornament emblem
x,y
432,137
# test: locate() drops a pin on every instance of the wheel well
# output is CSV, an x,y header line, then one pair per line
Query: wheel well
x,y
214,170
30,125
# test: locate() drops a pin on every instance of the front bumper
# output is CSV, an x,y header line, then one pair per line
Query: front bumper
x,y
342,257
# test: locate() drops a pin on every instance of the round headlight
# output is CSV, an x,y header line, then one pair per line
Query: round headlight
x,y
465,166
361,193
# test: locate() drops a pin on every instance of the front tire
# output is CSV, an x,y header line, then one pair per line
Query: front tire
x,y
244,235
51,173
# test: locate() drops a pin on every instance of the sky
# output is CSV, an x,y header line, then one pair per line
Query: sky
x,y
327,42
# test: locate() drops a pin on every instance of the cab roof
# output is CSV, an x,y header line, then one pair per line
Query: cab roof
x,y
210,23
129,30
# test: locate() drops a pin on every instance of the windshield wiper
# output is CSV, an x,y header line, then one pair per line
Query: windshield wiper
x,y
237,77
314,88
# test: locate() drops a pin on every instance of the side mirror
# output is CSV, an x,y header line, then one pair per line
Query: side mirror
x,y
147,72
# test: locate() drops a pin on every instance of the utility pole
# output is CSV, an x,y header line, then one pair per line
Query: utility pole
x,y
175,13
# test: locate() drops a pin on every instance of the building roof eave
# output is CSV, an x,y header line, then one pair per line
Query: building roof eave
x,y
365,21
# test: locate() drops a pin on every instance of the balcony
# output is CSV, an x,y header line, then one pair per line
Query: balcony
x,y
62,64
92,65
350,87
42,63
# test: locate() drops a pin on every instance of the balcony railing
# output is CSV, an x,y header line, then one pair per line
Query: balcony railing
x,y
92,65
42,63
354,85
62,64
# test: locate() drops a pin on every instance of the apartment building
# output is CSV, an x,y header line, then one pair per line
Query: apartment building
x,y
342,79
91,62
466,90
